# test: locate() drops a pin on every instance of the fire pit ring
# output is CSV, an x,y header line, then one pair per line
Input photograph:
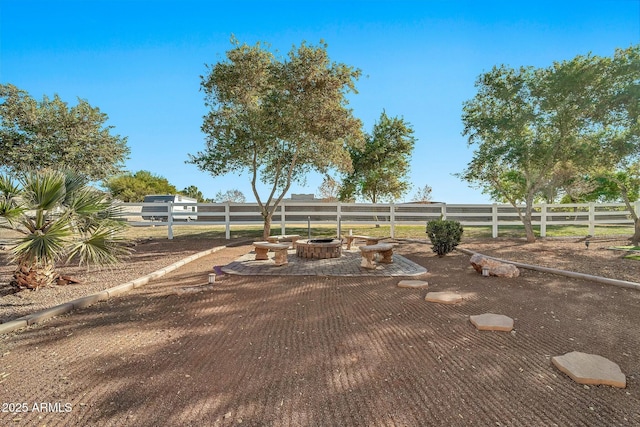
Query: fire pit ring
x,y
319,248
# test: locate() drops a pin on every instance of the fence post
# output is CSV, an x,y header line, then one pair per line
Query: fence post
x,y
543,220
339,220
170,220
443,212
592,218
283,221
227,221
494,220
392,219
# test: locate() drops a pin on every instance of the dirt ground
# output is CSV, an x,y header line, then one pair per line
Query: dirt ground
x,y
330,351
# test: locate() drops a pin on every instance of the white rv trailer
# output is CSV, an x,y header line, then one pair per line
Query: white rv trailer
x,y
180,212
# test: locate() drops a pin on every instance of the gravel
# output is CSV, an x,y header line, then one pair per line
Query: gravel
x,y
153,254
149,255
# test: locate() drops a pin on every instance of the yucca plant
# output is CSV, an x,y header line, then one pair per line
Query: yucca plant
x,y
59,218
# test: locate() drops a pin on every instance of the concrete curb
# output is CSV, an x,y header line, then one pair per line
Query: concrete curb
x,y
598,279
88,300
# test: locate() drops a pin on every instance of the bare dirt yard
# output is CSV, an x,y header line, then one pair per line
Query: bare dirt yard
x,y
327,351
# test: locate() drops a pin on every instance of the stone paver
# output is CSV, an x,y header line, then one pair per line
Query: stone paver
x,y
347,265
586,368
492,322
415,284
443,297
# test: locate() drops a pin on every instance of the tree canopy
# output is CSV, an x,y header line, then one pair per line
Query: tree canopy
x,y
277,118
193,192
130,187
381,167
230,196
536,130
329,190
617,165
423,194
50,134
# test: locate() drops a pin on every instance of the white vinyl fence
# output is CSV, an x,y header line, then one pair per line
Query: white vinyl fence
x,y
307,213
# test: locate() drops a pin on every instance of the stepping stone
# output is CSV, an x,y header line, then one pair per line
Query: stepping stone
x,y
586,368
492,322
443,297
416,284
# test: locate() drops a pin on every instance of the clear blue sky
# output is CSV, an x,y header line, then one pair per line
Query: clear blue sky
x,y
140,61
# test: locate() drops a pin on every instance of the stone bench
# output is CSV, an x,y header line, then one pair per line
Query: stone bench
x,y
369,253
368,239
293,238
279,249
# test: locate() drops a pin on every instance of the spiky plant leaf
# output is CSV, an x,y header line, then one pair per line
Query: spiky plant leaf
x,y
44,191
102,247
44,247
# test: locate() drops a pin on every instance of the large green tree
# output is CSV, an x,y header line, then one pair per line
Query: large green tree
x,y
627,183
530,126
130,187
617,165
50,134
277,118
381,167
58,218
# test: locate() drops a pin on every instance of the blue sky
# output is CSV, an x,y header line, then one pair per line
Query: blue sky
x,y
140,62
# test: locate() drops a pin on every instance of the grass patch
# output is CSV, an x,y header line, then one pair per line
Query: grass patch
x,y
160,231
635,251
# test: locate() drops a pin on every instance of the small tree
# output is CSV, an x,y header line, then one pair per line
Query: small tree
x,y
193,192
381,167
329,190
60,218
423,194
445,235
231,196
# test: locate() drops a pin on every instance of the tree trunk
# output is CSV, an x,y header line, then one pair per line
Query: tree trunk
x,y
635,239
33,277
266,231
526,218
528,229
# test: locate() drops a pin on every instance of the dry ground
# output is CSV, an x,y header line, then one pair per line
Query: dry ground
x,y
325,351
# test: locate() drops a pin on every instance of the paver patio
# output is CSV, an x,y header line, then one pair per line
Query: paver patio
x,y
347,265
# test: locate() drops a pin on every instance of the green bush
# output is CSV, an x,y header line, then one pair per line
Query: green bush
x,y
445,235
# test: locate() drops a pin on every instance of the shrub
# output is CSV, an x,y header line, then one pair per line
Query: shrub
x,y
445,235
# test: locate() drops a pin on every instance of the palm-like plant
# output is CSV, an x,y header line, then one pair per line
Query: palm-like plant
x,y
60,218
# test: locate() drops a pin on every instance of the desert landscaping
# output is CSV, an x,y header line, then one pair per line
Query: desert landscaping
x,y
328,350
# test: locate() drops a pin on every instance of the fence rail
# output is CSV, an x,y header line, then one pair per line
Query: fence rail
x,y
291,213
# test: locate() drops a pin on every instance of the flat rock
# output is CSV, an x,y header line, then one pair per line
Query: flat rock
x,y
443,297
416,284
492,322
586,368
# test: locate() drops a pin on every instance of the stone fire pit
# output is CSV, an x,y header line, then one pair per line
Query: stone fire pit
x,y
319,248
